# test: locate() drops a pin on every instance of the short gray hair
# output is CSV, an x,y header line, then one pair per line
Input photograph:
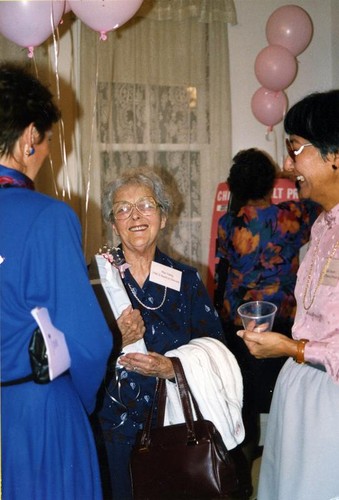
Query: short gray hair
x,y
141,176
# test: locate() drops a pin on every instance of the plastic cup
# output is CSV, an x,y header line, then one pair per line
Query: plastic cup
x,y
258,315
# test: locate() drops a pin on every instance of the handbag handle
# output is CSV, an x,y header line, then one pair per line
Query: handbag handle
x,y
160,401
184,391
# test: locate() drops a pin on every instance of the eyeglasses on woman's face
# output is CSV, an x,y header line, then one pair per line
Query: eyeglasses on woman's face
x,y
295,152
145,206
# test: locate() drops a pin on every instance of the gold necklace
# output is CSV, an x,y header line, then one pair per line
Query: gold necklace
x,y
322,275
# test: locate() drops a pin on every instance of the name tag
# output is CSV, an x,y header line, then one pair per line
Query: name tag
x,y
166,276
332,274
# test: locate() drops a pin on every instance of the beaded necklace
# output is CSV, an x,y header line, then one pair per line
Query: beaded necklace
x,y
322,274
144,305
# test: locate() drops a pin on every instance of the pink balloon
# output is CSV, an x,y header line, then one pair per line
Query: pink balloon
x,y
275,67
291,27
104,15
29,24
269,107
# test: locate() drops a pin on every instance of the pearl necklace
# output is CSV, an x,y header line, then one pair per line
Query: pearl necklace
x,y
144,305
322,275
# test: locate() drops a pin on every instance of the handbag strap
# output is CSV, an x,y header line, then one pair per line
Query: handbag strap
x,y
185,393
159,401
160,393
183,387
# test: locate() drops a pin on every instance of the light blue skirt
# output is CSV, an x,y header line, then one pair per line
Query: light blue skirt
x,y
301,451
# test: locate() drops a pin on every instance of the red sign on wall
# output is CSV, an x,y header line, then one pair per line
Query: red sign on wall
x,y
284,189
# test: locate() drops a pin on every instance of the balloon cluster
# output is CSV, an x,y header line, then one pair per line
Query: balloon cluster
x,y
289,31
30,23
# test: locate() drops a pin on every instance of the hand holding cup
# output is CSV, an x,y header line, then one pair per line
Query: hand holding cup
x,y
258,315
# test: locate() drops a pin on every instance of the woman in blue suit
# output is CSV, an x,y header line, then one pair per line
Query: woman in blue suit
x,y
48,451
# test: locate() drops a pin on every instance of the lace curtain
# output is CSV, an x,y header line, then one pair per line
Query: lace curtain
x,y
157,93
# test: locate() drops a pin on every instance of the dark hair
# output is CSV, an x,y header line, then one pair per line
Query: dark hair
x,y
316,119
252,175
23,100
141,176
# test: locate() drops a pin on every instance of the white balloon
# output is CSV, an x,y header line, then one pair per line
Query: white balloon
x,y
104,15
30,23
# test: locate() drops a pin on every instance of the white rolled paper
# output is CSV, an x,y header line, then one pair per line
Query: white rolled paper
x,y
117,296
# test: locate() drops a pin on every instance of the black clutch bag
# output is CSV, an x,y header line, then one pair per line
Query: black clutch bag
x,y
38,358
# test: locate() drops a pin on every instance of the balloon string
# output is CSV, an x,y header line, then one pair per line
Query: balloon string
x,y
53,175
270,130
61,127
35,66
56,53
283,134
89,167
66,186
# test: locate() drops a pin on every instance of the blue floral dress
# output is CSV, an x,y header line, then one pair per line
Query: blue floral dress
x,y
260,246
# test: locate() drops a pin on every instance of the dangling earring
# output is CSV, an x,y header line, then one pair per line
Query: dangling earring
x,y
29,151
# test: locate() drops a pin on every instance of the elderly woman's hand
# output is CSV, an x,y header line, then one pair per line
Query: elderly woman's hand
x,y
131,326
151,364
268,344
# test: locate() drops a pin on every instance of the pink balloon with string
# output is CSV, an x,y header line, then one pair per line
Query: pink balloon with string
x,y
29,24
269,107
104,15
291,27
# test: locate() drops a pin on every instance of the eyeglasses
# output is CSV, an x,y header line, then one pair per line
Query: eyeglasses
x,y
123,209
295,152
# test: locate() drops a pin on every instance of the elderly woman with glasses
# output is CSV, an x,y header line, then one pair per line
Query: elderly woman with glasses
x,y
174,306
300,457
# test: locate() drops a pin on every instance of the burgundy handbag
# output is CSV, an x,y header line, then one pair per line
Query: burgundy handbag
x,y
188,460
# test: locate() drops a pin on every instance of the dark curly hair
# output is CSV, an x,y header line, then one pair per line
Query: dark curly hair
x,y
252,175
316,119
23,100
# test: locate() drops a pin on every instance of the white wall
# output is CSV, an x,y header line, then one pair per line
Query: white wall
x,y
317,66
